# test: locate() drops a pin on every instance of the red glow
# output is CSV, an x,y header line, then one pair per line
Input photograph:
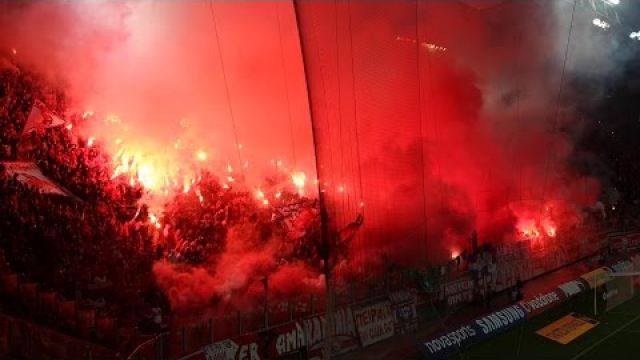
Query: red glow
x,y
537,221
161,109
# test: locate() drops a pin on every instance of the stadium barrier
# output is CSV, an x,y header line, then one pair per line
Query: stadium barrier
x,y
279,335
494,323
247,335
360,323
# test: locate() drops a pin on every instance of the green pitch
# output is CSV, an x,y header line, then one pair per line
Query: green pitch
x,y
616,337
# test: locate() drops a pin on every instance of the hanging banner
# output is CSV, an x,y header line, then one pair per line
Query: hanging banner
x,y
240,348
307,335
40,119
29,174
458,292
221,350
403,304
374,322
624,241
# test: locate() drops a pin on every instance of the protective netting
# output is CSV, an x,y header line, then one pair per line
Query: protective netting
x,y
435,119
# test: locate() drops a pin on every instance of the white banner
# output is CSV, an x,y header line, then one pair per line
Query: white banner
x,y
28,173
221,350
40,120
374,322
403,304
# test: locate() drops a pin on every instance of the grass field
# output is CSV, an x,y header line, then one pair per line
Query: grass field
x,y
616,337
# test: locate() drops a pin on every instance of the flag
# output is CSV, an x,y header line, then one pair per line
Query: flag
x,y
34,120
28,173
40,119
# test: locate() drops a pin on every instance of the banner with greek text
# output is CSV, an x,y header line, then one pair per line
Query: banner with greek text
x,y
458,292
375,322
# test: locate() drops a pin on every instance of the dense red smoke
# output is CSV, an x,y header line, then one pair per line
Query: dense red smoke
x,y
157,67
475,132
471,134
171,88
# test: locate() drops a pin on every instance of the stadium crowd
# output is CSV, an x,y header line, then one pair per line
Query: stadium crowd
x,y
85,247
96,246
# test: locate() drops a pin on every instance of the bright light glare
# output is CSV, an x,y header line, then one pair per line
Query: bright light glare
x,y
201,155
612,2
635,35
147,176
601,24
298,179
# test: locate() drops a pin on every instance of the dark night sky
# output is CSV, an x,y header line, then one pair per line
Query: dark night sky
x,y
615,120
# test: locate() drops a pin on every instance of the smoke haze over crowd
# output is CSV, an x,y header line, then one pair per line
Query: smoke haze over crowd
x,y
464,122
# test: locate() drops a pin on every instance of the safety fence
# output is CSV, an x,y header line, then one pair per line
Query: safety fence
x,y
296,329
361,323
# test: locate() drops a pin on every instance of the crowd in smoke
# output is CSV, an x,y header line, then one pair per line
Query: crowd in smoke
x,y
208,248
479,143
232,242
160,105
84,250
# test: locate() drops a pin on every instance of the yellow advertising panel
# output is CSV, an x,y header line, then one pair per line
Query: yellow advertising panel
x,y
597,277
567,328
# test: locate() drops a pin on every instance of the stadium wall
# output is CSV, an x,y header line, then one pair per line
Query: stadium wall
x,y
360,324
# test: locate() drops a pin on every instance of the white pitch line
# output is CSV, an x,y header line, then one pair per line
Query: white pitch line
x,y
585,351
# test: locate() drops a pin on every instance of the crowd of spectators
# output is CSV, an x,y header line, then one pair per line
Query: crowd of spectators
x,y
87,247
17,94
198,222
96,245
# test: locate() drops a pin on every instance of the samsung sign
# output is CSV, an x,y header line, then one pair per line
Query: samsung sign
x,y
474,331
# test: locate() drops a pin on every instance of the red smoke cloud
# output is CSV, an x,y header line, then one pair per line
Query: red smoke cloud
x,y
454,139
234,278
467,138
182,87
